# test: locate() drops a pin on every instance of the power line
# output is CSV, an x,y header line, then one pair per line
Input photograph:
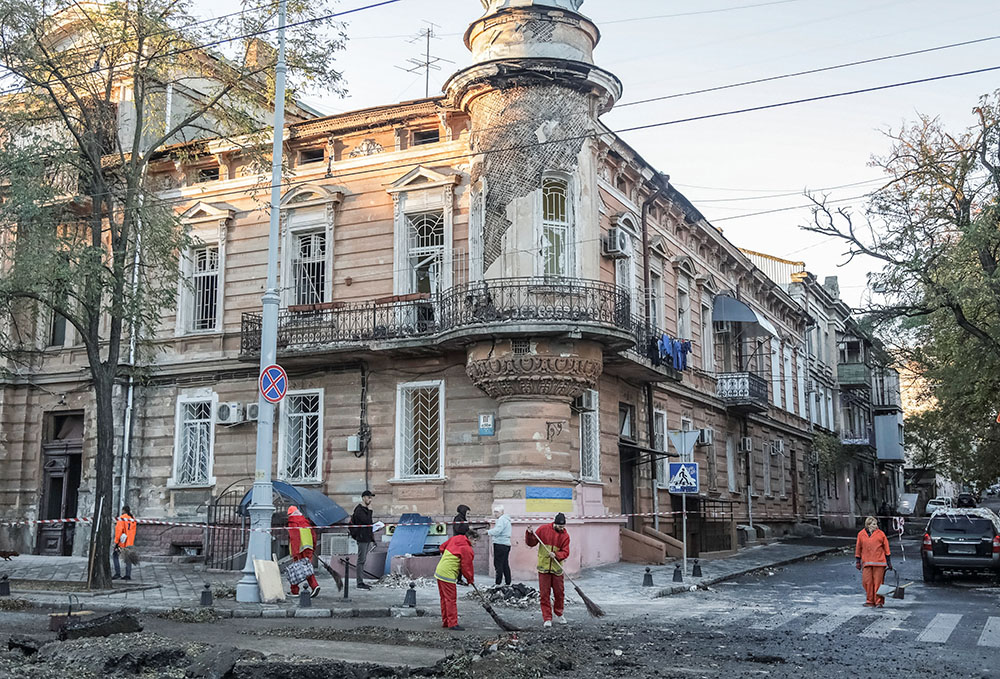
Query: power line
x,y
698,12
789,193
215,43
785,209
811,71
597,134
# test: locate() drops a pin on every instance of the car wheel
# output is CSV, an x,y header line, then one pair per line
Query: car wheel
x,y
930,573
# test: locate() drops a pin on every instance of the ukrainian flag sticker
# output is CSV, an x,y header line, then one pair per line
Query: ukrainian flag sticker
x,y
548,499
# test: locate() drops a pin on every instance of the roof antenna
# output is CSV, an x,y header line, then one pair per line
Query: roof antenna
x,y
426,62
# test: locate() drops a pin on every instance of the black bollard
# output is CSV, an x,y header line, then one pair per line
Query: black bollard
x,y
696,569
347,578
411,596
647,579
206,595
4,586
305,598
678,575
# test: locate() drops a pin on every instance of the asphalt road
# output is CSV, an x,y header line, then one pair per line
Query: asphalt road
x,y
801,620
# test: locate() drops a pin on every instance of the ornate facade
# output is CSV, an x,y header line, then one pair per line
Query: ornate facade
x,y
488,298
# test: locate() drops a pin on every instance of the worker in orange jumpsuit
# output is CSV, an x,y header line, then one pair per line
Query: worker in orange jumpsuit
x,y
552,540
872,558
301,543
456,562
124,537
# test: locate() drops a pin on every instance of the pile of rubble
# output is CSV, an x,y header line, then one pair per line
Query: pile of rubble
x,y
511,596
400,581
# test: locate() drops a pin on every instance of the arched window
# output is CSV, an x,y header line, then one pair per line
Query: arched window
x,y
556,228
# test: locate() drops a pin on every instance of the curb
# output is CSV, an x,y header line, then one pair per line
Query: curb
x,y
359,612
707,582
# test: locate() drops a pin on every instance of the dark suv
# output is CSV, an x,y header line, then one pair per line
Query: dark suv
x,y
966,500
961,540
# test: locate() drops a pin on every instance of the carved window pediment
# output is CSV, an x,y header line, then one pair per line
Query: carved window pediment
x,y
422,177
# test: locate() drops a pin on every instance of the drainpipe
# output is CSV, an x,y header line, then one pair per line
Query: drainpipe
x,y
130,391
650,429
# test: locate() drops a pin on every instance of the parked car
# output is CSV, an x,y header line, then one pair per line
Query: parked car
x,y
966,500
961,539
937,503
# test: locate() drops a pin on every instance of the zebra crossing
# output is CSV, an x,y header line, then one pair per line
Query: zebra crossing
x,y
883,624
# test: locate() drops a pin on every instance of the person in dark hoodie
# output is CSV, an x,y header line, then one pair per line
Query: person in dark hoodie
x,y
461,525
361,531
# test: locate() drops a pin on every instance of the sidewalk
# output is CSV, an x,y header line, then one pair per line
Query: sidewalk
x,y
160,587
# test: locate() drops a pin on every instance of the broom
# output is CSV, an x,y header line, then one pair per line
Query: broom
x,y
592,608
503,624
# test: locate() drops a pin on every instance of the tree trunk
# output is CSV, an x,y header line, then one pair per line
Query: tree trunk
x,y
105,509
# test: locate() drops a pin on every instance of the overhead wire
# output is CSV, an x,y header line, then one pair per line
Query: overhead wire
x,y
811,71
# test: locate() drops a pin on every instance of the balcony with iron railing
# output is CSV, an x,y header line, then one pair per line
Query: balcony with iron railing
x,y
463,313
854,375
742,391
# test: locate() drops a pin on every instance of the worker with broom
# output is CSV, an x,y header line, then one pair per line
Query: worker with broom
x,y
553,548
456,562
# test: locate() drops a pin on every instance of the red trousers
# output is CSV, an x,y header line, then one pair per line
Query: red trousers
x,y
306,553
449,603
550,582
872,578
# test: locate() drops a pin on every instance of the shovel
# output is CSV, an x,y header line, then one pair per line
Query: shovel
x,y
896,591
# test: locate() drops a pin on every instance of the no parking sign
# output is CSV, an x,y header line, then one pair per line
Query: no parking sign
x,y
273,383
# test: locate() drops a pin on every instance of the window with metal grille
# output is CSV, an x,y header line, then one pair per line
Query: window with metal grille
x,y
194,443
302,436
205,288
420,439
660,443
590,440
768,453
731,467
520,346
425,245
555,243
309,267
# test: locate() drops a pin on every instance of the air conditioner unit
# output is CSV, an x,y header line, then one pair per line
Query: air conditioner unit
x,y
618,243
746,444
706,436
777,447
229,413
252,412
584,403
334,544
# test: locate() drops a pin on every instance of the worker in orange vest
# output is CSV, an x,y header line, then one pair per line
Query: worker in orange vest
x,y
871,555
301,543
124,537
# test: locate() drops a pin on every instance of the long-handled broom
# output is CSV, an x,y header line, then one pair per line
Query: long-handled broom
x,y
503,624
592,608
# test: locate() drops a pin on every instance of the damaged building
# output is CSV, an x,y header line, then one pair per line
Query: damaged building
x,y
488,298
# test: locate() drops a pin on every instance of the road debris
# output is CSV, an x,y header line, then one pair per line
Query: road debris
x,y
118,622
512,596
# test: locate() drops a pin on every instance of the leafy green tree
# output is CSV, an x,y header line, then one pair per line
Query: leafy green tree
x,y
932,232
98,90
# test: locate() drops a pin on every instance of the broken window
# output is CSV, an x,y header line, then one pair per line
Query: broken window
x,y
419,437
425,243
205,287
309,268
421,137
311,155
302,436
208,174
556,235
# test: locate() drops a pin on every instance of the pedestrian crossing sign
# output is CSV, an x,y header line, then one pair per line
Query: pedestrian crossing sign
x,y
683,477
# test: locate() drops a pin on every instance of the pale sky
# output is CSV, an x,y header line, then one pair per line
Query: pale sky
x,y
729,167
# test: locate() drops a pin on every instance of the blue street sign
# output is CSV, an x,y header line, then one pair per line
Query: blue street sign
x,y
273,383
683,477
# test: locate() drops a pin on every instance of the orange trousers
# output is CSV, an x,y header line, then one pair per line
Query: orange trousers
x,y
448,594
551,584
872,578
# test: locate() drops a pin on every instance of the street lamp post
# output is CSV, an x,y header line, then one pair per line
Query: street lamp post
x,y
261,509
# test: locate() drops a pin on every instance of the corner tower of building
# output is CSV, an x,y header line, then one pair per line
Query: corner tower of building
x,y
533,94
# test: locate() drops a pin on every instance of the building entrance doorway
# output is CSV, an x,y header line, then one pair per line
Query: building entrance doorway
x,y
62,451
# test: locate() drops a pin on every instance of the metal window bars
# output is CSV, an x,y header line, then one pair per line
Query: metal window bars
x,y
196,443
309,268
421,432
302,443
205,284
590,442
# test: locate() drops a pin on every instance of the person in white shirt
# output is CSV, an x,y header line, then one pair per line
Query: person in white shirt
x,y
501,544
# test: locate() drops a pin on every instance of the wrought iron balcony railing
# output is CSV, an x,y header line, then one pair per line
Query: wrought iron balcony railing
x,y
503,301
742,391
